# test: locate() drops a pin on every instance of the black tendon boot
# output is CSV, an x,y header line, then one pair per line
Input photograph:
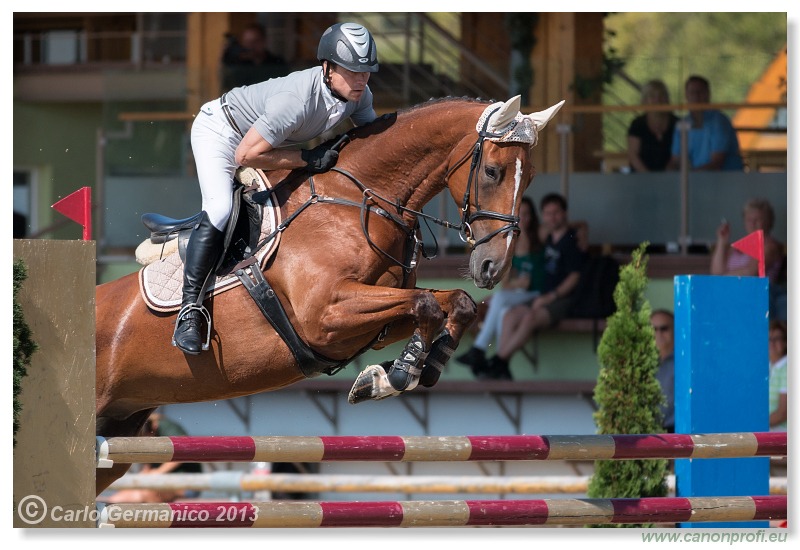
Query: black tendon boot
x,y
202,254
442,349
409,365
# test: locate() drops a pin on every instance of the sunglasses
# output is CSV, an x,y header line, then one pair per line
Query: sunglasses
x,y
662,328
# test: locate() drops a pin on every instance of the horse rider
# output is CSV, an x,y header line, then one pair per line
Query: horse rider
x,y
248,125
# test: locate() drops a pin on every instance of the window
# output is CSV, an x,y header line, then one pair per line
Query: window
x,y
61,48
24,214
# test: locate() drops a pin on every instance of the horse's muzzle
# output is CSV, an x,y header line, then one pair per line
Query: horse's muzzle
x,y
485,272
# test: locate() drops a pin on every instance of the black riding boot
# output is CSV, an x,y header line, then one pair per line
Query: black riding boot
x,y
202,254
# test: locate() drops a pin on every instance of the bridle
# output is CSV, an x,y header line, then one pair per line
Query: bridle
x,y
468,218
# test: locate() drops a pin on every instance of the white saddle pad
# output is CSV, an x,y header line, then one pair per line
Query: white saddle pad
x,y
161,282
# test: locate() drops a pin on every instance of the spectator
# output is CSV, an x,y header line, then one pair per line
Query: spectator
x,y
663,323
248,61
778,360
522,283
712,141
563,262
725,260
159,426
650,135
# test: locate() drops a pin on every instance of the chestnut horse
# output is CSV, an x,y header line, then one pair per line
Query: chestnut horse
x,y
342,272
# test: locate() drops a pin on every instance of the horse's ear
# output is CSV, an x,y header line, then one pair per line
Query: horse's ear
x,y
541,118
507,113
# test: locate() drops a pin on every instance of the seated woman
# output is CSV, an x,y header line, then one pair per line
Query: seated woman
x,y
650,134
725,260
521,285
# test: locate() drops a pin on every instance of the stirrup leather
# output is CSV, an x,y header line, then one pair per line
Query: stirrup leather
x,y
204,312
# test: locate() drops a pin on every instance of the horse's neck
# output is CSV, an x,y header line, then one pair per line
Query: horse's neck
x,y
425,144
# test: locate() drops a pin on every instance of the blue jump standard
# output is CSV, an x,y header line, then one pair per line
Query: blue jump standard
x,y
721,381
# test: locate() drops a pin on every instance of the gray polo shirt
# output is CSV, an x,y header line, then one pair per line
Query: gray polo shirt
x,y
294,109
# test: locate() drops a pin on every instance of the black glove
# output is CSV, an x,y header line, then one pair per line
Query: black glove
x,y
319,159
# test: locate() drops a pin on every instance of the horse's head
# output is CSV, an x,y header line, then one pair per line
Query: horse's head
x,y
490,187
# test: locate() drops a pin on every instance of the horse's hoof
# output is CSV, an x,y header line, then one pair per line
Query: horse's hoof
x,y
371,384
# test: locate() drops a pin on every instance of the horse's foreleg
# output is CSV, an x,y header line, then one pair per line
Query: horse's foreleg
x,y
394,377
441,318
461,311
360,311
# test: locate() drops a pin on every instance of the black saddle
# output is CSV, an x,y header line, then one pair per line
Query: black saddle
x,y
163,228
241,234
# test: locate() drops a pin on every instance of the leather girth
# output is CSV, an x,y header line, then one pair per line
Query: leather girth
x,y
311,363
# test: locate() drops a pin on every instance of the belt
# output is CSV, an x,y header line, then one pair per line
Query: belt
x,y
227,111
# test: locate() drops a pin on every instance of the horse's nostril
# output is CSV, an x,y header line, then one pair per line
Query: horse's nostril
x,y
487,268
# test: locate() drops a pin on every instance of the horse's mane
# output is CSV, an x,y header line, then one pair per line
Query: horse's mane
x,y
383,121
436,101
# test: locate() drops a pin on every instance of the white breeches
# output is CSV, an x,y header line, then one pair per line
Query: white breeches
x,y
214,145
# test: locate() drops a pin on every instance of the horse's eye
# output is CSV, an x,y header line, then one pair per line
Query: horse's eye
x,y
492,172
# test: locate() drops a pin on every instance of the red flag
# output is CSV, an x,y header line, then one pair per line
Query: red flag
x,y
78,207
753,246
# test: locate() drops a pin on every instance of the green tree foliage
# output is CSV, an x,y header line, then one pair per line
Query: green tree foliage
x,y
627,393
520,32
24,346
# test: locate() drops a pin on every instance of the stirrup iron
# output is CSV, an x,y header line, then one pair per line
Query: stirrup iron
x,y
206,315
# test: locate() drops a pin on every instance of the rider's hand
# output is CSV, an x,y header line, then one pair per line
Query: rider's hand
x,y
319,159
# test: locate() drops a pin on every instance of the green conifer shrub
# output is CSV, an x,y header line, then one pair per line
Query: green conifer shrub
x,y
627,392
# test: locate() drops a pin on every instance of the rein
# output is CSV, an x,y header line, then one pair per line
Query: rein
x,y
464,228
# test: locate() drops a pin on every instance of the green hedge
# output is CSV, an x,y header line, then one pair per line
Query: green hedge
x,y
24,346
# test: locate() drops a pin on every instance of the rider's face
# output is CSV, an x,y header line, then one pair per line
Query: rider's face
x,y
348,84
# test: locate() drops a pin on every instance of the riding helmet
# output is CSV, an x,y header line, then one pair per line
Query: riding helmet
x,y
349,45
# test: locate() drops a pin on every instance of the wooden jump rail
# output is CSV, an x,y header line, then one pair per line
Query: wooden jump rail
x,y
436,449
238,482
445,513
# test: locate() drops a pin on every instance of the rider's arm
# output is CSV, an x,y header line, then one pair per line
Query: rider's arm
x,y
256,152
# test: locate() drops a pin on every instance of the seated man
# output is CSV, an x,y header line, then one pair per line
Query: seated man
x,y
563,262
663,323
248,61
712,141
